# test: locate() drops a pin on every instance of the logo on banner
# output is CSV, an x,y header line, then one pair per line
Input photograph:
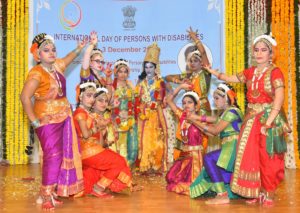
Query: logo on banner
x,y
129,13
70,14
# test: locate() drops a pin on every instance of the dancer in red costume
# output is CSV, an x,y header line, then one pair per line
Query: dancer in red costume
x,y
259,166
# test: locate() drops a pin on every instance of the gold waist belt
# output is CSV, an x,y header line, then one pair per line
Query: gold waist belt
x,y
258,106
229,138
186,148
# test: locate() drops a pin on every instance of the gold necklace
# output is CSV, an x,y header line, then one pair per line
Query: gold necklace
x,y
52,72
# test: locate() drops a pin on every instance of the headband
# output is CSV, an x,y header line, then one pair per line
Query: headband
x,y
121,61
195,53
101,89
267,38
193,94
228,92
87,84
224,87
97,51
37,42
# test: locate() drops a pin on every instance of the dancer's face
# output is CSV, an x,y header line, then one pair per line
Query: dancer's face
x,y
194,64
150,70
188,104
97,62
87,98
47,53
122,74
219,101
101,103
262,53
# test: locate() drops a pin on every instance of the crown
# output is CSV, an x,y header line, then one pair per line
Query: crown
x,y
152,54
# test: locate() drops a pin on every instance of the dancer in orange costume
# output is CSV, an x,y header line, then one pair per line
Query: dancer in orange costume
x,y
102,168
51,116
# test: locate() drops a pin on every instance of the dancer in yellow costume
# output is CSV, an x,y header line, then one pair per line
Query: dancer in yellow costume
x,y
195,74
152,128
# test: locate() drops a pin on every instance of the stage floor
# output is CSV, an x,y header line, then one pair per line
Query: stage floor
x,y
19,187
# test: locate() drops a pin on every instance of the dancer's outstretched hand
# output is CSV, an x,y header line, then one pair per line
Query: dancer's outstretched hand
x,y
94,38
81,43
193,34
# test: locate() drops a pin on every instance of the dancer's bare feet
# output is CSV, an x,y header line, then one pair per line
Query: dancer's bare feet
x,y
99,191
79,194
268,202
101,194
219,199
47,203
48,206
260,199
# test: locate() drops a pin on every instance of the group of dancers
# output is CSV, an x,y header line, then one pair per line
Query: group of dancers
x,y
118,127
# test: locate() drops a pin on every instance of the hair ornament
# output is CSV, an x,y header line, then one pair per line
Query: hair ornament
x,y
193,94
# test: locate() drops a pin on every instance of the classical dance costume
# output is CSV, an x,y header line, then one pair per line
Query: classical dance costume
x,y
219,164
187,168
101,166
152,128
123,115
201,84
260,158
61,170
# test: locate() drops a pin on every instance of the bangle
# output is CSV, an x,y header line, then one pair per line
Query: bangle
x,y
77,51
36,123
219,75
203,118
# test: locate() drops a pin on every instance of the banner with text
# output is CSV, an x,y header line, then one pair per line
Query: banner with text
x,y
126,27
